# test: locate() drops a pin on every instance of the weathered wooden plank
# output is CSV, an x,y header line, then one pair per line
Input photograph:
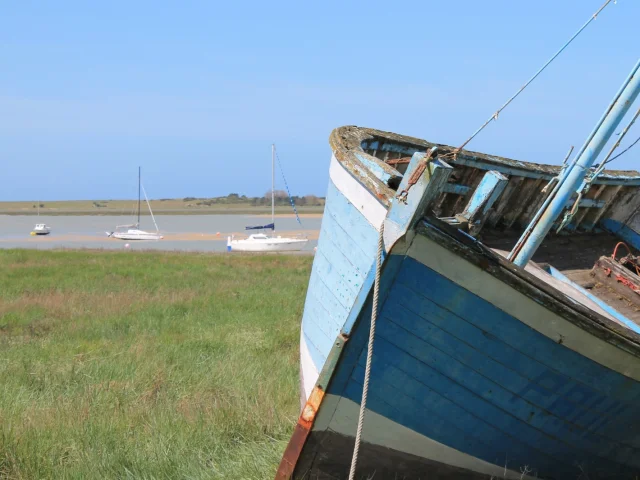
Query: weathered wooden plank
x,y
384,172
324,315
430,425
458,408
420,187
499,324
591,219
625,207
317,355
527,193
351,220
436,393
471,177
509,394
484,196
530,369
537,174
324,294
512,187
343,293
337,237
456,189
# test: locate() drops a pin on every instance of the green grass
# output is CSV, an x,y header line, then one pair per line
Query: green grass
x,y
147,365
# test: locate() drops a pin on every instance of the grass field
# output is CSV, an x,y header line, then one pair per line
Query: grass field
x,y
159,207
147,365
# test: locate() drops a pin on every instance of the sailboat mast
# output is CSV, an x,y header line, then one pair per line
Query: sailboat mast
x,y
273,183
138,195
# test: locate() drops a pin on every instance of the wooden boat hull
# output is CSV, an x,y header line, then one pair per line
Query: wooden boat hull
x,y
480,369
475,372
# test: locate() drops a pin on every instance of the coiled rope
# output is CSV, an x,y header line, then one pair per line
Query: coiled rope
x,y
367,372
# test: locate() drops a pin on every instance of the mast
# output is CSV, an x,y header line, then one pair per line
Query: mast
x,y
575,174
273,183
138,196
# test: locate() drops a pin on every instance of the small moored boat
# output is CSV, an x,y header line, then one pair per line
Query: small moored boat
x,y
259,242
41,229
133,232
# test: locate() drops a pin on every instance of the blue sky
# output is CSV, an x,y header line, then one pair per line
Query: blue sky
x,y
196,91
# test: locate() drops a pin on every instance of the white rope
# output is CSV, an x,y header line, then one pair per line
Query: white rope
x,y
367,372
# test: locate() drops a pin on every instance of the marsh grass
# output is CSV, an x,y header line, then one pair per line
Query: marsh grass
x,y
147,365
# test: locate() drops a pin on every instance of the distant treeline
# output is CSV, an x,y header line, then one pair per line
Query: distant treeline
x,y
281,198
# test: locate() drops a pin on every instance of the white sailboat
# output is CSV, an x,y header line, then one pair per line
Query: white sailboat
x,y
133,232
260,242
40,228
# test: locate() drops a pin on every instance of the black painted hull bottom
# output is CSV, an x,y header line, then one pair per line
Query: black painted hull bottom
x,y
374,462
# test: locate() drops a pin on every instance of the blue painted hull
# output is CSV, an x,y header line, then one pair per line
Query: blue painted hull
x,y
454,368
478,369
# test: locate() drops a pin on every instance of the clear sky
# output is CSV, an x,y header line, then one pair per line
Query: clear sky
x,y
196,91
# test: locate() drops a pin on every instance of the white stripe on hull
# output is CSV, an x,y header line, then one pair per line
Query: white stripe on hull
x,y
308,369
518,305
374,213
357,194
379,430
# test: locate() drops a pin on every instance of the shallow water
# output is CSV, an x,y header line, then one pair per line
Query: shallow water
x,y
181,232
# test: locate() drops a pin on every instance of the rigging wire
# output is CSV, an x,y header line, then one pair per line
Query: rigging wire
x,y
495,115
622,134
624,151
293,205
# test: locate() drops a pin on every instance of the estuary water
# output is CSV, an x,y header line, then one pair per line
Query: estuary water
x,y
181,232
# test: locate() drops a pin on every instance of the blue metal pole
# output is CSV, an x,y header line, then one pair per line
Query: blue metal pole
x,y
566,168
517,248
573,178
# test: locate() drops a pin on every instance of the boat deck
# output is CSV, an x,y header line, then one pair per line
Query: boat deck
x,y
574,253
575,257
